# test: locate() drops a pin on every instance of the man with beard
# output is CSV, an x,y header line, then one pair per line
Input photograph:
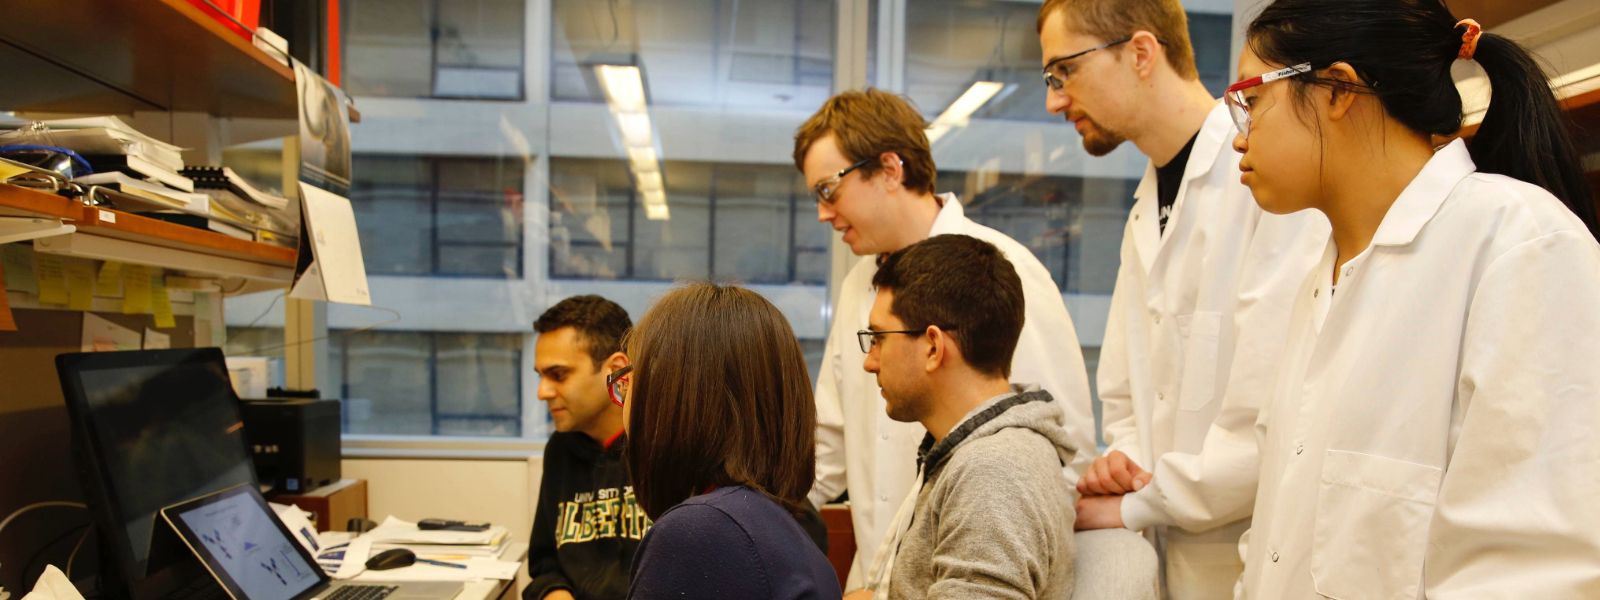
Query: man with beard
x,y
1202,295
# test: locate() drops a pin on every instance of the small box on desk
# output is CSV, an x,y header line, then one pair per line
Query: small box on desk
x,y
295,442
333,505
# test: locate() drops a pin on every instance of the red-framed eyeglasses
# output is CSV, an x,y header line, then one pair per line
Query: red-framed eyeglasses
x,y
1239,106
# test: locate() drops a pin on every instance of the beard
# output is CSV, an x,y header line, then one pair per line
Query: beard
x,y
1097,140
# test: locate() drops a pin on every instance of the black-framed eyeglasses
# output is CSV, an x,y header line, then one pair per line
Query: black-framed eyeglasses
x,y
824,189
868,338
617,384
1058,71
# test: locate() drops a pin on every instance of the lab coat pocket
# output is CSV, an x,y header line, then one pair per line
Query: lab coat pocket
x,y
1201,330
1371,527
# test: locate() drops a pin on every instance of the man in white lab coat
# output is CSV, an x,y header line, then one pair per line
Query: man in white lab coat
x,y
866,157
1202,294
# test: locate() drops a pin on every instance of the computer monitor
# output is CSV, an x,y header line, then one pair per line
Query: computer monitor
x,y
150,429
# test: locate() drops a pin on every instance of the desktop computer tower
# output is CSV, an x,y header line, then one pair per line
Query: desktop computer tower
x,y
294,441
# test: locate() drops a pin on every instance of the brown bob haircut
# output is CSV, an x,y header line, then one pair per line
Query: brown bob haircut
x,y
962,284
867,124
1112,20
720,397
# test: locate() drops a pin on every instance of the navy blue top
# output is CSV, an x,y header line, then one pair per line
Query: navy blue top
x,y
730,543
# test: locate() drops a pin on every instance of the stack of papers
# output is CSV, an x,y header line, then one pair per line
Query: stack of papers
x,y
109,144
395,533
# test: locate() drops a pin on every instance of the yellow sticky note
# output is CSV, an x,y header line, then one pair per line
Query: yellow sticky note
x,y
161,302
52,270
135,290
7,171
80,284
109,284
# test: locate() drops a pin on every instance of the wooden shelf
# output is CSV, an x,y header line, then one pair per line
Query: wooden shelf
x,y
133,234
94,56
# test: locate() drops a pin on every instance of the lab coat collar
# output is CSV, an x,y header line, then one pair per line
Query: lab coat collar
x,y
951,219
1213,135
1424,195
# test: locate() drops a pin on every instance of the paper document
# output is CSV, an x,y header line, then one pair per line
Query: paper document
x,y
53,585
336,273
155,340
478,567
396,531
100,335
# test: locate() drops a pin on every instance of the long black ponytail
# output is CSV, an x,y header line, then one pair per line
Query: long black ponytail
x,y
1403,51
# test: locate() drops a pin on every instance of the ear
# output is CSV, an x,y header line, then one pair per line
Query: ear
x,y
617,360
1341,96
940,347
892,167
1147,53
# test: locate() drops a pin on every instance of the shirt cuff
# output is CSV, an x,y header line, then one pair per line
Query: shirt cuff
x,y
1144,509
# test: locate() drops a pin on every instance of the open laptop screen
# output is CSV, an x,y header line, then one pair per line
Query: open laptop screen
x,y
245,545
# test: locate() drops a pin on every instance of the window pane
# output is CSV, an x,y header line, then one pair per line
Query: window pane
x,y
393,198
388,47
479,377
479,49
589,218
754,222
678,247
388,385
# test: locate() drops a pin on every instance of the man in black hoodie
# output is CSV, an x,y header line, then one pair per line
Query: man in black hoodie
x,y
587,524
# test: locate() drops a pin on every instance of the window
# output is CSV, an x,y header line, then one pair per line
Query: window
x,y
461,49
439,216
469,384
729,221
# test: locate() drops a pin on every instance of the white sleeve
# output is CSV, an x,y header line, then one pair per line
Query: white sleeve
x,y
830,420
1516,514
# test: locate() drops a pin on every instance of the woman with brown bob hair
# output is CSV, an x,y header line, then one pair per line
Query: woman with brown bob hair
x,y
721,449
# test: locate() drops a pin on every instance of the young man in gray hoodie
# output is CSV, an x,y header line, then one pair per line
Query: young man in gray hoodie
x,y
991,513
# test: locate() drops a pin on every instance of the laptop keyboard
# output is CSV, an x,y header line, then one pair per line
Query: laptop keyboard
x,y
360,592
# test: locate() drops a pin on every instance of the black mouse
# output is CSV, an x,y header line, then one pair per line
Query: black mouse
x,y
393,558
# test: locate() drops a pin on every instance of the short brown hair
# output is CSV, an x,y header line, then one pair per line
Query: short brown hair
x,y
720,397
867,124
600,324
962,283
1113,19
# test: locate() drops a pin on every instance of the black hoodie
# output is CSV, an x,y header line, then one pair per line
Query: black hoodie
x,y
588,523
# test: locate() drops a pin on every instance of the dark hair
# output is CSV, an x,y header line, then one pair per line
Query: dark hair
x,y
962,283
867,124
1403,50
720,397
600,323
1112,19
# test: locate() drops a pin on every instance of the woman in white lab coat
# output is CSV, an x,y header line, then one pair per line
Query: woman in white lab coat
x,y
1435,431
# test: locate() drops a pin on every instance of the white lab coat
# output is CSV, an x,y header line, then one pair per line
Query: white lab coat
x,y
1436,432
1169,345
860,447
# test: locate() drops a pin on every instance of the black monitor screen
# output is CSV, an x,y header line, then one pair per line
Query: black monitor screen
x,y
158,427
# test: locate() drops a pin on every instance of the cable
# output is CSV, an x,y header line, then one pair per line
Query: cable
x,y
259,317
341,334
45,550
74,556
37,505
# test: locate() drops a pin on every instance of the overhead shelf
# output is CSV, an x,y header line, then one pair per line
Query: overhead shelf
x,y
89,56
62,226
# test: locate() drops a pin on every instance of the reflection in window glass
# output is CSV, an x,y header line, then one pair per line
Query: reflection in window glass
x,y
469,49
771,54
470,388
1046,214
444,216
729,221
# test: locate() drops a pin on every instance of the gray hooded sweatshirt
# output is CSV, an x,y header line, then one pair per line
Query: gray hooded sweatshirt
x,y
993,516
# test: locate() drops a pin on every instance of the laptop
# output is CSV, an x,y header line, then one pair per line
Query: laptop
x,y
252,555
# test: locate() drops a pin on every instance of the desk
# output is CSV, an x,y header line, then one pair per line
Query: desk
x,y
496,589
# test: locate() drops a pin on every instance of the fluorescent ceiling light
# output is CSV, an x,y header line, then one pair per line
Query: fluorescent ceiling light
x,y
642,156
635,129
649,181
957,114
624,87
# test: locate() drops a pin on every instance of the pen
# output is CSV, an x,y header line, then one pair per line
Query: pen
x,y
440,563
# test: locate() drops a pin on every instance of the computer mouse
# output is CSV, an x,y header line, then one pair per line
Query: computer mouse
x,y
393,558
